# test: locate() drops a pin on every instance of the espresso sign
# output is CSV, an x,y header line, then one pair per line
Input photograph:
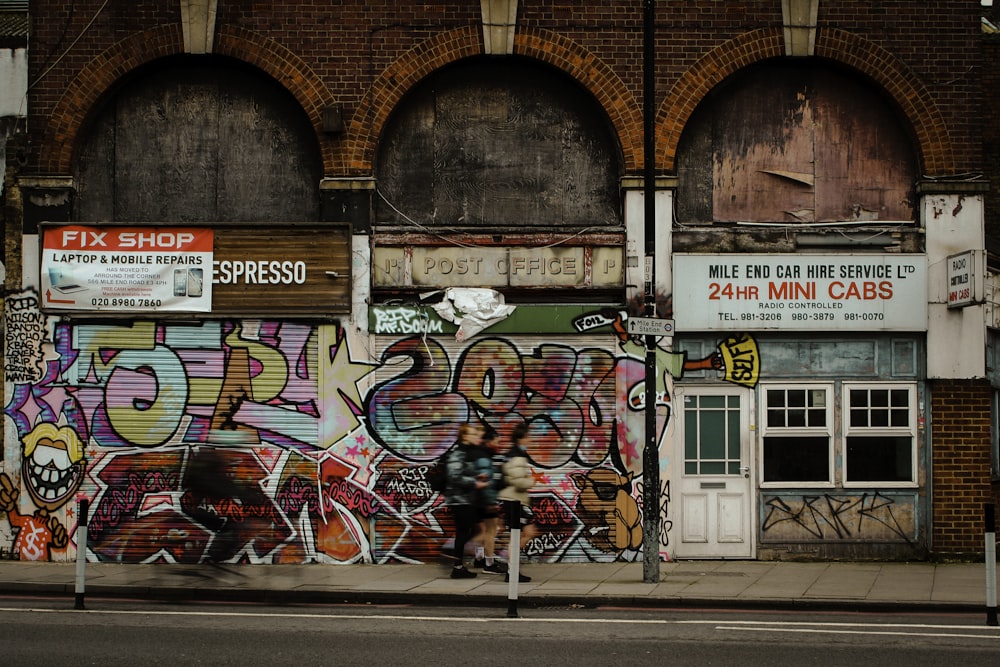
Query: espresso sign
x,y
282,270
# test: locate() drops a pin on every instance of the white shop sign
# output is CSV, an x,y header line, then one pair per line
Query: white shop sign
x,y
800,292
961,279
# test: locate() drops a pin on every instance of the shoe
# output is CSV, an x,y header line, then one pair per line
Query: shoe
x,y
496,567
521,578
461,573
479,563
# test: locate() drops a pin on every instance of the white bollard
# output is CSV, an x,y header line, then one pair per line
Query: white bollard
x,y
513,556
81,552
991,564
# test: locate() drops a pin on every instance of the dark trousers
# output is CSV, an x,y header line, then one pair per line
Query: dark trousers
x,y
466,519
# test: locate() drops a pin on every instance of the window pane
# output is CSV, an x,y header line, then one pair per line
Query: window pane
x,y
879,418
796,418
859,398
713,402
775,398
775,418
859,418
713,468
713,435
888,459
797,459
690,434
734,435
796,398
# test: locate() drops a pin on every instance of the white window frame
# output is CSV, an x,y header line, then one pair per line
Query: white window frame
x,y
910,430
827,431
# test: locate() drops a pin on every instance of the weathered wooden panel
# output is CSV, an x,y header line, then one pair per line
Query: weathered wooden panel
x,y
498,145
282,269
204,143
871,516
786,143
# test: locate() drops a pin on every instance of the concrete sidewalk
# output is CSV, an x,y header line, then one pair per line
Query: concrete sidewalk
x,y
844,586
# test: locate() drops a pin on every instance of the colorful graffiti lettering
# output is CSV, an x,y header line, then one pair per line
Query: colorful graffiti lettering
x,y
325,456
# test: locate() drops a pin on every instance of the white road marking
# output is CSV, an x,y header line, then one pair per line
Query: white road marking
x,y
988,632
826,631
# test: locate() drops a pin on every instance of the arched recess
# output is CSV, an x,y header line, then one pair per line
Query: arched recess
x,y
589,71
197,139
499,144
104,72
914,101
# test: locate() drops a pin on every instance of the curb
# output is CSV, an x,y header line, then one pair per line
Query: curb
x,y
535,600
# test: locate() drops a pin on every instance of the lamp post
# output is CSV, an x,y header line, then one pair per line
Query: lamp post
x,y
650,455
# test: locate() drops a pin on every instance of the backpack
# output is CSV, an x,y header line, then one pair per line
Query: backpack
x,y
437,474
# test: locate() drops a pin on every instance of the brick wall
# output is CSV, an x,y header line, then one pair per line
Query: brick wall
x,y
991,133
925,53
960,449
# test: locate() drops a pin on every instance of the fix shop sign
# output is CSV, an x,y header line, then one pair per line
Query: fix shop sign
x,y
126,269
800,292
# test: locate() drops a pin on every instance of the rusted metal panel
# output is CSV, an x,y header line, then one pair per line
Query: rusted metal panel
x,y
426,386
792,144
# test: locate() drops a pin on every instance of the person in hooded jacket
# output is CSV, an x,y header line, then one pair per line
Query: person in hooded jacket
x,y
518,481
465,482
489,461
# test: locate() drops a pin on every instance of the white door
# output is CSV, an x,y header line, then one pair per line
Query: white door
x,y
712,474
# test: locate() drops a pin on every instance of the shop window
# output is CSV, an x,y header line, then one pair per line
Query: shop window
x,y
879,434
797,435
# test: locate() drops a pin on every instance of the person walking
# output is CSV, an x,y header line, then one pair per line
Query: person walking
x,y
209,490
464,481
489,461
518,480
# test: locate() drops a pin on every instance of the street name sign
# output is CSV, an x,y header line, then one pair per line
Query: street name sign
x,y
650,326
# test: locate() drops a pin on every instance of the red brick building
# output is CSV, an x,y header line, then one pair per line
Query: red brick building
x,y
319,237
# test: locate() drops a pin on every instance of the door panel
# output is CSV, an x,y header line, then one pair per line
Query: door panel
x,y
714,473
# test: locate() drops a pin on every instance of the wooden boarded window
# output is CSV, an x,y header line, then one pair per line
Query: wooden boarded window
x,y
199,141
795,143
498,145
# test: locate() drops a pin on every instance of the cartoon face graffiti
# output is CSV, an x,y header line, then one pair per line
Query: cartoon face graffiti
x,y
608,510
53,464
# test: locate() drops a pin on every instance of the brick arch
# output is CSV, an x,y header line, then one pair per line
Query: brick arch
x,y
388,89
600,80
866,57
104,71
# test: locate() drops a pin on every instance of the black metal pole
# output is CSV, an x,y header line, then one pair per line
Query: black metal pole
x,y
990,522
650,455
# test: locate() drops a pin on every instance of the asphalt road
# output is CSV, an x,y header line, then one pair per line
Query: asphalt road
x,y
51,632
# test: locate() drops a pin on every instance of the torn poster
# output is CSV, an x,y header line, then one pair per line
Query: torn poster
x,y
472,309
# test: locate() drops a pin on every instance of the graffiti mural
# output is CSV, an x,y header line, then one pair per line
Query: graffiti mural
x,y
320,453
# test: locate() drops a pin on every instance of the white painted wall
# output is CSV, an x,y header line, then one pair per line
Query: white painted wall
x,y
956,338
13,82
635,245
